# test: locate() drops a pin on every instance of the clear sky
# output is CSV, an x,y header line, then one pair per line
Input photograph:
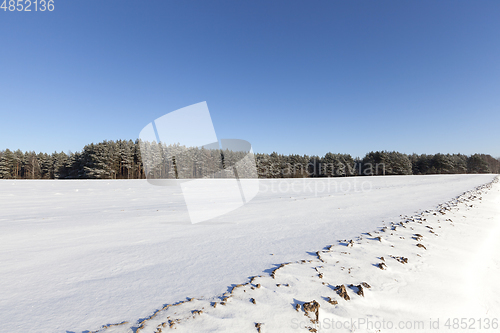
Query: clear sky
x,y
303,77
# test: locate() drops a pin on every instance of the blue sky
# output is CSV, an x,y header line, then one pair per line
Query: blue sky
x,y
305,77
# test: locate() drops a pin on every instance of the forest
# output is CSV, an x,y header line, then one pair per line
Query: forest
x,y
139,160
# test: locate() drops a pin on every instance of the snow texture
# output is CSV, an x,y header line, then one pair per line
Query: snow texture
x,y
77,255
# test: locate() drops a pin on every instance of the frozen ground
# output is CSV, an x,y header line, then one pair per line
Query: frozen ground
x,y
79,254
436,271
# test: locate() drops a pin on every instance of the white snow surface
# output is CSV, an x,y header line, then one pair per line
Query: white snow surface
x,y
75,255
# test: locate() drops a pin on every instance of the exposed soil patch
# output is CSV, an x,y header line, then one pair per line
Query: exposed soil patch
x,y
341,290
312,307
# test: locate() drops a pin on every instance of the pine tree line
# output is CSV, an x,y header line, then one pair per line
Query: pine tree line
x,y
138,160
105,160
175,161
374,163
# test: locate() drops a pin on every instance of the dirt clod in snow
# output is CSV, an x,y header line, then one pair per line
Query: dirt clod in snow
x,y
236,286
382,266
273,273
359,289
341,290
366,285
402,260
332,301
312,306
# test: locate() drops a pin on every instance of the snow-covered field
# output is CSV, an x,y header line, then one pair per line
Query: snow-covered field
x,y
76,255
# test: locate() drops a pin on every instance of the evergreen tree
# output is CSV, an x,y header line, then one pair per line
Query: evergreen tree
x,y
94,161
59,165
18,164
459,162
7,162
477,164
